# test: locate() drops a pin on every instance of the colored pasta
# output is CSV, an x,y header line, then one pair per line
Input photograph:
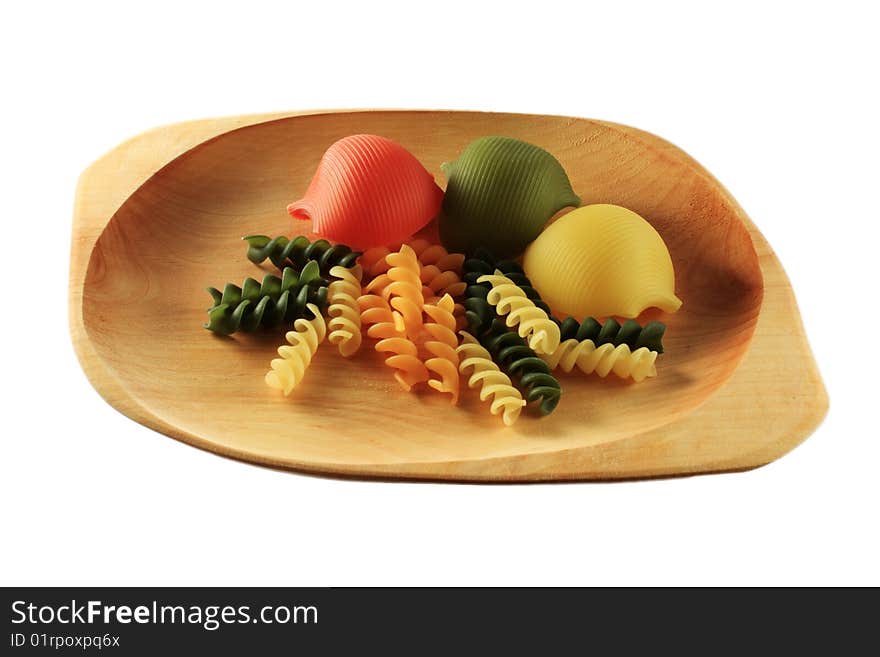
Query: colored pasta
x,y
283,252
531,322
295,357
373,260
404,359
344,312
368,191
381,320
429,253
528,372
482,262
484,372
437,282
275,301
602,260
500,194
603,360
404,289
630,333
441,343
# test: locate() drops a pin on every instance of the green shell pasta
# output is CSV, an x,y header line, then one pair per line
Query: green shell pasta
x,y
284,252
275,301
500,193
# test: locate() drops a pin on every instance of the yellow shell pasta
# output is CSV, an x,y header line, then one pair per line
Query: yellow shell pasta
x,y
288,371
532,323
474,358
604,359
345,315
601,260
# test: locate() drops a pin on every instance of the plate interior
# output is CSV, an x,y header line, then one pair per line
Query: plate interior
x,y
144,298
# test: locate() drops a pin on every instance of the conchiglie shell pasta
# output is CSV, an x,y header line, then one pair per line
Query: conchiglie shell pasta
x,y
602,260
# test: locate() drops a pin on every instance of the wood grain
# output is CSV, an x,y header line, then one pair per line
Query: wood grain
x,y
160,217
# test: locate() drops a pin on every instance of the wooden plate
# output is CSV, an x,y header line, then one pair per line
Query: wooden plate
x,y
160,218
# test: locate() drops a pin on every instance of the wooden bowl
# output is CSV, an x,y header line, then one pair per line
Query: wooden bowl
x,y
160,218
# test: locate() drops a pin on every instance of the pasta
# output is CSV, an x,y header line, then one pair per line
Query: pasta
x,y
405,359
368,191
479,313
630,333
482,262
442,343
295,253
602,260
344,312
388,325
436,281
604,359
494,383
531,322
383,322
271,303
288,370
404,289
500,194
429,253
373,260
529,373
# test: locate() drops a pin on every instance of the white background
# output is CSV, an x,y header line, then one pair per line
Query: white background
x,y
777,101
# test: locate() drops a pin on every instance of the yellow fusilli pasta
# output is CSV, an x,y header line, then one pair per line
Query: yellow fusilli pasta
x,y
505,398
344,312
532,323
441,342
604,359
288,371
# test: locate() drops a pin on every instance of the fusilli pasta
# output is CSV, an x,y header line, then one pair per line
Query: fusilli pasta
x,y
288,370
494,383
532,322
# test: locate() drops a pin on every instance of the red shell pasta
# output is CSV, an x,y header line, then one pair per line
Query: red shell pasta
x,y
368,191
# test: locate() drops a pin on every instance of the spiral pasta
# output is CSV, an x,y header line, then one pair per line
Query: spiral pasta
x,y
441,343
430,253
404,290
344,312
373,260
405,359
381,320
630,333
483,262
288,370
530,374
603,360
436,281
298,251
474,358
531,322
273,302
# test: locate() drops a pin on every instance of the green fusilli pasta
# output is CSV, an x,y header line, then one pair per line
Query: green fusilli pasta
x,y
274,302
284,252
